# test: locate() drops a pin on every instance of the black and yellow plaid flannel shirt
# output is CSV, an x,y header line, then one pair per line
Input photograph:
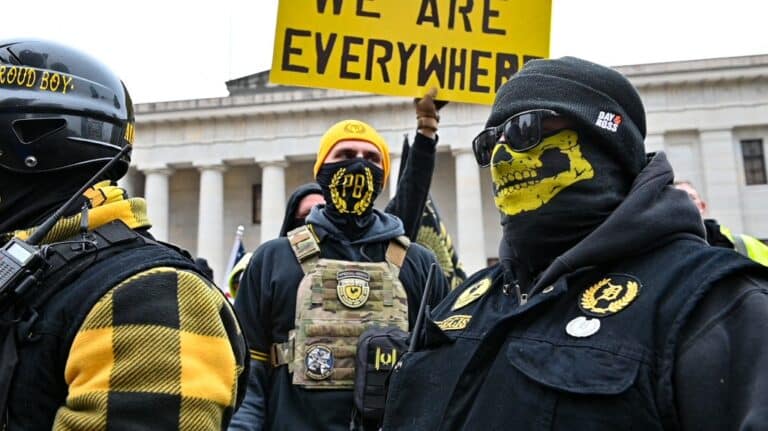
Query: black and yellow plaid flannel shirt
x,y
160,351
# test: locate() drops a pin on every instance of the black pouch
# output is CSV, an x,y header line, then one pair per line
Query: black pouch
x,y
378,350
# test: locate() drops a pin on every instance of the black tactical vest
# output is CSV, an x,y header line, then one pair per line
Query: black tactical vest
x,y
510,366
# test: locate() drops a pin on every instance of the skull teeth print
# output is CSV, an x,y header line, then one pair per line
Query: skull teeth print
x,y
519,176
525,181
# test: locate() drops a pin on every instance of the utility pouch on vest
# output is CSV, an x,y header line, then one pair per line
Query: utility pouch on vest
x,y
378,350
336,302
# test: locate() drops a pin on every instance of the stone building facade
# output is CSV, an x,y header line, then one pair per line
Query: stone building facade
x,y
209,165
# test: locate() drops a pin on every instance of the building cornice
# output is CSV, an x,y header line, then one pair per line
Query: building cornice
x,y
697,71
300,100
255,104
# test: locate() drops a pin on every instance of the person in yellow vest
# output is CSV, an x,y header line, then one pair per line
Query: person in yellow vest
x,y
305,298
720,236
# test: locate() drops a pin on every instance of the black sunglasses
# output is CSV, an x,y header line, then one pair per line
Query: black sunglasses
x,y
521,132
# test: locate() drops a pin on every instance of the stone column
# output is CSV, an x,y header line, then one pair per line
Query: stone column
x,y
272,198
722,178
394,169
127,183
469,212
157,195
210,222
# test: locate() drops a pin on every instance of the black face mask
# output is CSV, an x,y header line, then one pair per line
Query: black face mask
x,y
350,187
27,199
539,225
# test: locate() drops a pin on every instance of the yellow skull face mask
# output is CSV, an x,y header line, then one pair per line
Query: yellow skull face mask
x,y
526,181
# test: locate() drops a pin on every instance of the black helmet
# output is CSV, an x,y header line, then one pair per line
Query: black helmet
x,y
59,109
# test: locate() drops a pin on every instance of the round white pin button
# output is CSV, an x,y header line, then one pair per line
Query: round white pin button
x,y
581,327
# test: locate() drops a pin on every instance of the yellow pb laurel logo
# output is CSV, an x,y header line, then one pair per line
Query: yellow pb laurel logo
x,y
357,186
609,295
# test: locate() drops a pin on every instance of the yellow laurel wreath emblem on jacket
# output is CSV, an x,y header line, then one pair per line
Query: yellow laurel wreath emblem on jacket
x,y
338,202
472,293
365,201
615,297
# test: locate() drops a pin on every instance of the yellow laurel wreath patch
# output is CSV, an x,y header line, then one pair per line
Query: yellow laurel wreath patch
x,y
472,294
609,295
338,202
365,201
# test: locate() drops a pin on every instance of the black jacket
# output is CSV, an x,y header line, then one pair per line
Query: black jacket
x,y
266,305
687,352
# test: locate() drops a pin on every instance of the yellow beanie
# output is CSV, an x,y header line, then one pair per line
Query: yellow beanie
x,y
352,130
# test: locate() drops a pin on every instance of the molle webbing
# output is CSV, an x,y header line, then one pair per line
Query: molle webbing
x,y
305,246
336,302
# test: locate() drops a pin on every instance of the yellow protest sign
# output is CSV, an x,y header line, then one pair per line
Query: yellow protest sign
x,y
465,48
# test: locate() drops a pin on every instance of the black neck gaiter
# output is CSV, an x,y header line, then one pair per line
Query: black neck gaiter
x,y
26,200
350,188
551,197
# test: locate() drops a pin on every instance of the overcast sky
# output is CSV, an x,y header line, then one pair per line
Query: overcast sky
x,y
170,49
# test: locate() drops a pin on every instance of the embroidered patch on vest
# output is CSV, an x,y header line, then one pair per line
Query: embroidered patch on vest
x,y
454,323
472,294
353,288
609,295
319,362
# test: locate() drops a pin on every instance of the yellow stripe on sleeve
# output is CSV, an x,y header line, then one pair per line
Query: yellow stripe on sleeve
x,y
259,356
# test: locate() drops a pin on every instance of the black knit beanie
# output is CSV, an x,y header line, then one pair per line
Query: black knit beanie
x,y
597,97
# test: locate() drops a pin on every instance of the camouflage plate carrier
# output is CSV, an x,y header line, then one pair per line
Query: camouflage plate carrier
x,y
336,301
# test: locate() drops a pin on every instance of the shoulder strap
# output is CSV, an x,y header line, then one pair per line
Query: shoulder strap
x,y
397,249
69,258
305,246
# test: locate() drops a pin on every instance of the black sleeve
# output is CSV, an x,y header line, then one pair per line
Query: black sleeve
x,y
252,306
721,378
414,278
413,186
441,287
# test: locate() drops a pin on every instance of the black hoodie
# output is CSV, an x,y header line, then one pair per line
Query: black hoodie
x,y
289,220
